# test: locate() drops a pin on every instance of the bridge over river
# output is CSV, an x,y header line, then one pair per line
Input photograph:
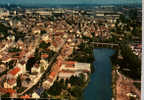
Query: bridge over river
x,y
104,44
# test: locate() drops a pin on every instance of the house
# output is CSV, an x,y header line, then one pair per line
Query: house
x,y
52,75
43,63
66,74
40,67
26,82
35,69
2,68
10,91
44,56
36,31
48,83
7,90
22,67
14,72
35,95
70,68
83,66
10,83
25,96
45,37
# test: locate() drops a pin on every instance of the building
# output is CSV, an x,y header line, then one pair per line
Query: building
x,y
72,68
48,83
10,83
14,72
35,95
39,68
25,96
2,68
22,67
82,66
26,82
38,92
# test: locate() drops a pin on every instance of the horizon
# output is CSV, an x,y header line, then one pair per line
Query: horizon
x,y
67,2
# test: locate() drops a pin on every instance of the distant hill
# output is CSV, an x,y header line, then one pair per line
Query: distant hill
x,y
65,5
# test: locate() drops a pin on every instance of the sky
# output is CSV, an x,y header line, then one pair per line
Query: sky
x,y
38,2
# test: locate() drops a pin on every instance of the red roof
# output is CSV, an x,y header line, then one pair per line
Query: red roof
x,y
54,44
8,90
67,71
14,71
3,90
25,97
139,46
12,81
59,62
11,91
70,62
31,56
69,66
44,55
85,71
52,74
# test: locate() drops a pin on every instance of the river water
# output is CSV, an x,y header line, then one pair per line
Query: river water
x,y
99,87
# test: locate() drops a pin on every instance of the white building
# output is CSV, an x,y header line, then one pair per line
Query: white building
x,y
82,66
22,67
35,95
73,69
42,66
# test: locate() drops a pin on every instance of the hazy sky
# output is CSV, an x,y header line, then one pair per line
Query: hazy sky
x,y
36,2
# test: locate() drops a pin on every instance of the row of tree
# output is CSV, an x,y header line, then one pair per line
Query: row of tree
x,y
76,82
130,61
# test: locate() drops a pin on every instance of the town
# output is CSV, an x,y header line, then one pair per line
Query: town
x,y
37,46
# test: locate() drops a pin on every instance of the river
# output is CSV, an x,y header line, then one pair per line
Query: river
x,y
99,87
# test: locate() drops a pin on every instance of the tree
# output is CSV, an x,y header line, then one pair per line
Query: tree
x,y
5,95
62,84
93,34
44,94
131,61
14,50
82,77
133,13
18,81
44,45
33,60
4,30
75,80
122,18
76,91
43,32
55,89
11,64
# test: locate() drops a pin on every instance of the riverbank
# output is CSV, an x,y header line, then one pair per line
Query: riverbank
x,y
84,53
126,80
125,89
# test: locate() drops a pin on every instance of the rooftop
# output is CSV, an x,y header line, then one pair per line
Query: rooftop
x,y
14,71
25,96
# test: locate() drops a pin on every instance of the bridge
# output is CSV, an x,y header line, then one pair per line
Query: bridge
x,y
104,44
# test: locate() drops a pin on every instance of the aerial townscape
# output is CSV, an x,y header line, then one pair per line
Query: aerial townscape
x,y
71,52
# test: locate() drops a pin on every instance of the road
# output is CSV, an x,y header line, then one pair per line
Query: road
x,y
47,71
